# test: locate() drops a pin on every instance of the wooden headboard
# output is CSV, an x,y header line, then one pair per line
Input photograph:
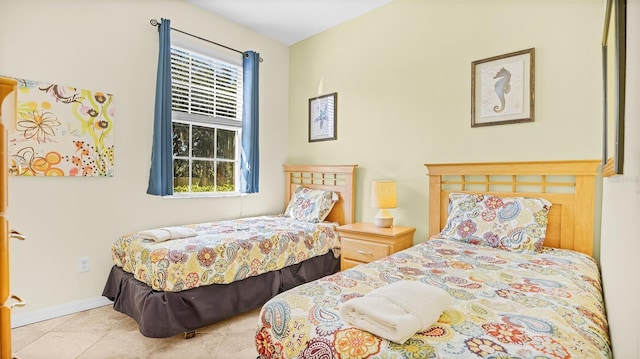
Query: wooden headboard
x,y
568,185
338,178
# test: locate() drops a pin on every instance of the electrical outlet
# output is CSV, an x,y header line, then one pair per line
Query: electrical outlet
x,y
83,264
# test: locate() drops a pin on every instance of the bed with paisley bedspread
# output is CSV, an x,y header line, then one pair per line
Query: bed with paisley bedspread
x,y
511,245
214,270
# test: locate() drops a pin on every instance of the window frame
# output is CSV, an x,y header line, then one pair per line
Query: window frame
x,y
216,123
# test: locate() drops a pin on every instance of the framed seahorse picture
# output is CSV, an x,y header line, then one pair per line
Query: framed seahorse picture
x,y
502,89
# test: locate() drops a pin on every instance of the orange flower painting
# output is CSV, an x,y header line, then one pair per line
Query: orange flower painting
x,y
61,131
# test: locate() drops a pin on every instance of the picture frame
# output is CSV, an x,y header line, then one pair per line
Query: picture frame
x,y
503,89
323,117
613,75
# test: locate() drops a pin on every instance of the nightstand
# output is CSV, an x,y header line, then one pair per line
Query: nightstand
x,y
364,242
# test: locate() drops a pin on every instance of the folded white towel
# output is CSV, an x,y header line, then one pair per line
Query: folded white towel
x,y
166,233
397,311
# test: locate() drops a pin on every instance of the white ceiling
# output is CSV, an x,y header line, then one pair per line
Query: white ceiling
x,y
289,21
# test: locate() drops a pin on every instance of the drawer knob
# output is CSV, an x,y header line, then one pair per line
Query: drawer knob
x,y
17,235
19,301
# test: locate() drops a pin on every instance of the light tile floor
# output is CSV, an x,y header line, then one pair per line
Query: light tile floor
x,y
104,333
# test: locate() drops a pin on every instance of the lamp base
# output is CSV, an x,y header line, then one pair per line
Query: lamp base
x,y
383,219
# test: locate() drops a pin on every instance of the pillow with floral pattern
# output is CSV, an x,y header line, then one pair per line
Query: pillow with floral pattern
x,y
310,205
511,223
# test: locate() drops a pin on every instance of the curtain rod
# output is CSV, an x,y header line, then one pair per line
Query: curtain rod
x,y
155,22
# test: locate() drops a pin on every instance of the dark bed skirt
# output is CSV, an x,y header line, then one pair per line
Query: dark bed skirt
x,y
165,314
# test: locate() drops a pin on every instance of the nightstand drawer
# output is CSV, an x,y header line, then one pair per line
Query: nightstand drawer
x,y
363,251
364,242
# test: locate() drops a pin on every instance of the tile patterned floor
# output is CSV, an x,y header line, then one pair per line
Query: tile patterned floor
x,y
104,333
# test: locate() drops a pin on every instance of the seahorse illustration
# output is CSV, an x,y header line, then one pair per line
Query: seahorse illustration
x,y
502,87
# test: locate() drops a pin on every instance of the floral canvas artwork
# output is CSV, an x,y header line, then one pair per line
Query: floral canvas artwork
x,y
61,131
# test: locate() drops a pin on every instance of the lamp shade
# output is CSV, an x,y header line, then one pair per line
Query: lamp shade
x,y
383,194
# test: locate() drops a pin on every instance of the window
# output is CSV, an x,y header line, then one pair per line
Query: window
x,y
206,122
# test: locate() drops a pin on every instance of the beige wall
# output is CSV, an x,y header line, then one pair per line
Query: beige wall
x,y
110,46
403,72
1,33
620,213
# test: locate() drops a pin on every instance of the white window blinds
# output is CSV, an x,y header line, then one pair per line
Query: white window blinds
x,y
205,86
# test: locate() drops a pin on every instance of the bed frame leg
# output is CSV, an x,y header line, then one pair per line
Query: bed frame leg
x,y
189,334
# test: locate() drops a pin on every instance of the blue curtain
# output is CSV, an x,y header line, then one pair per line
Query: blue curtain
x,y
161,172
250,154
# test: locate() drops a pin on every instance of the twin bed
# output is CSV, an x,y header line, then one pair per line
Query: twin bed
x,y
511,246
176,279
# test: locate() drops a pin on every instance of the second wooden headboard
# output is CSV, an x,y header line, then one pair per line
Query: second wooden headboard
x,y
568,185
338,178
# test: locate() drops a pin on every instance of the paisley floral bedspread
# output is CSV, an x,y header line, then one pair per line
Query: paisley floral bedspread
x,y
505,305
224,251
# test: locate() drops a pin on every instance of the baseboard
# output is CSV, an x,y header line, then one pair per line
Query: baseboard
x,y
18,320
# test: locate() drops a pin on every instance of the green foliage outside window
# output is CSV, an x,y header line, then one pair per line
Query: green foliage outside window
x,y
207,98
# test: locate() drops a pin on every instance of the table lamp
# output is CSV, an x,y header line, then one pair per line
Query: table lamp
x,y
383,197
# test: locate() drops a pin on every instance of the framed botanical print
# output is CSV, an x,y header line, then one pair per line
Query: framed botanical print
x,y
322,117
